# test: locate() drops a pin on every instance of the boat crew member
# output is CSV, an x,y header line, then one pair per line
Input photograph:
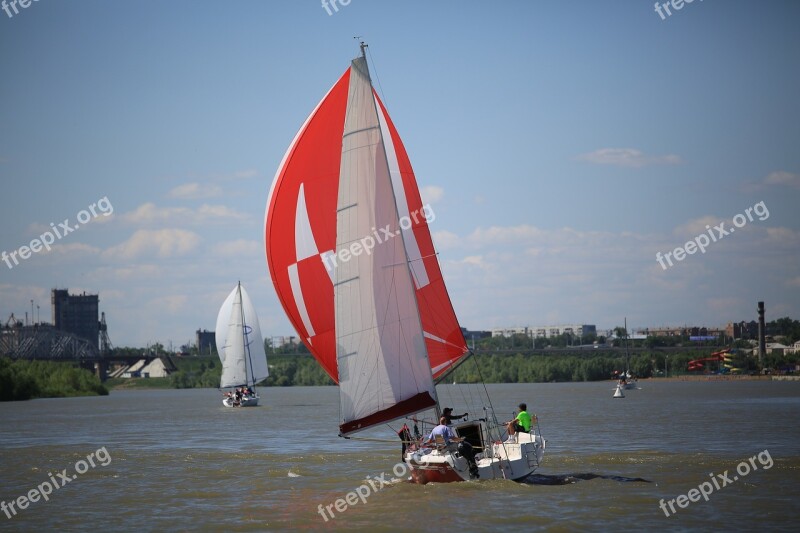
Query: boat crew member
x,y
522,423
448,414
443,430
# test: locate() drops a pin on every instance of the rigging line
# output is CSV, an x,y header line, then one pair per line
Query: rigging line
x,y
486,391
378,79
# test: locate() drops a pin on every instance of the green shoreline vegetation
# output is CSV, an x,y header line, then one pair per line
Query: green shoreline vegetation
x,y
516,359
25,380
301,369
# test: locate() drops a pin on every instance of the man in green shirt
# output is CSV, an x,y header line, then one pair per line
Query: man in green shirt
x,y
520,424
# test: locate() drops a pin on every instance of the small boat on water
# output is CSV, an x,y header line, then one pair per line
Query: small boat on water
x,y
618,391
241,350
351,257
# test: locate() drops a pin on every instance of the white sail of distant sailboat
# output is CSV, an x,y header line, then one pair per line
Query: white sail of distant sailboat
x,y
241,349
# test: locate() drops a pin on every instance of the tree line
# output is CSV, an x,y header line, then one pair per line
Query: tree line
x,y
24,380
594,365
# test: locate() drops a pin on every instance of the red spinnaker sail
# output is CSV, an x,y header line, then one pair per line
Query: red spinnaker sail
x,y
300,233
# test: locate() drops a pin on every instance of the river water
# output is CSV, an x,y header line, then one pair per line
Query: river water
x,y
176,460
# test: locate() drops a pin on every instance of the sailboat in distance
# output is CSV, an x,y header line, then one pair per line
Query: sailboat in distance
x,y
353,263
241,349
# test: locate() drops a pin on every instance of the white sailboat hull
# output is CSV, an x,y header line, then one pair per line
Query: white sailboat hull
x,y
247,401
512,461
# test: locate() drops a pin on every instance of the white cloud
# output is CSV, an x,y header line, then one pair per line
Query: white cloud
x,y
136,272
442,240
784,237
523,275
72,248
475,261
627,157
697,226
503,234
431,194
782,177
173,303
149,213
162,244
194,191
240,247
245,174
239,175
16,298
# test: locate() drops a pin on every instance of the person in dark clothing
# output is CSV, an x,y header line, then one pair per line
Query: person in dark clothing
x,y
448,414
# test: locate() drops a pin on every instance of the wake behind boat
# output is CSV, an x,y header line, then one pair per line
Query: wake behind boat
x,y
353,263
241,350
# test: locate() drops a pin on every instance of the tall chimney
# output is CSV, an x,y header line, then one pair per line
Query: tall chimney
x,y
762,346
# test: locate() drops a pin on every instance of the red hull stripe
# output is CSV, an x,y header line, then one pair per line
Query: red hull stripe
x,y
444,474
414,404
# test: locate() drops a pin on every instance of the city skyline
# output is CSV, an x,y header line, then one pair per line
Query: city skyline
x,y
534,331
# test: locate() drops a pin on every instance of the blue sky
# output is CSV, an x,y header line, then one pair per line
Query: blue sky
x,y
561,145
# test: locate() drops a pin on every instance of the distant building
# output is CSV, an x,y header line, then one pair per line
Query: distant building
x,y
685,331
575,330
469,334
742,330
539,332
135,370
205,341
160,367
77,314
279,341
510,332
777,348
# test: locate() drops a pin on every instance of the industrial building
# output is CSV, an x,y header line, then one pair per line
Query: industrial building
x,y
77,314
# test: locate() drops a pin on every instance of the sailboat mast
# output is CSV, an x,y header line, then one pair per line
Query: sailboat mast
x,y
401,235
627,355
244,340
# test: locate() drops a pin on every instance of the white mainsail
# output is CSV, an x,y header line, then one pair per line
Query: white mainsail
x,y
383,365
239,342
